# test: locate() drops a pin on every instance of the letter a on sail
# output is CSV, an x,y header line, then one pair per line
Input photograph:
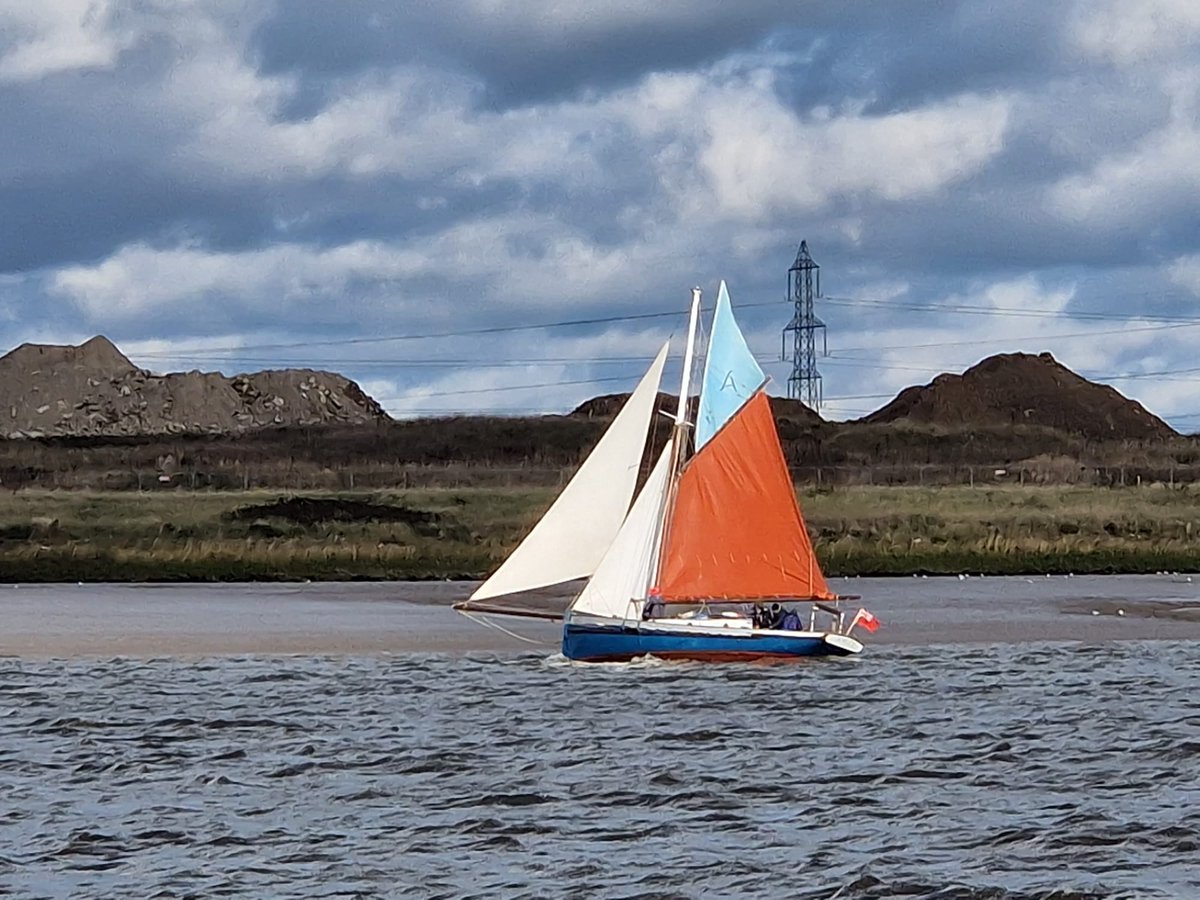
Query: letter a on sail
x,y
731,374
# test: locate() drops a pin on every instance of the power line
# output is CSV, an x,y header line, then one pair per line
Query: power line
x,y
205,353
191,352
1010,339
221,354
494,390
1009,311
449,363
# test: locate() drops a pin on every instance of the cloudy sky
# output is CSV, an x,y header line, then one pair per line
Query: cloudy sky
x,y
397,191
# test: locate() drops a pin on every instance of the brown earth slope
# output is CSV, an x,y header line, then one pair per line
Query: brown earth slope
x,y
93,389
1023,389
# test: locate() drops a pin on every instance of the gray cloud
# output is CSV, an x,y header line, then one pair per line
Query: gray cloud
x,y
527,51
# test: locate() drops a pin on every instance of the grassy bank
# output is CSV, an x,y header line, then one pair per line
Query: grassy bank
x,y
463,533
1005,530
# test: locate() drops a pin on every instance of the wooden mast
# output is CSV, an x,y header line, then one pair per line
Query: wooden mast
x,y
679,432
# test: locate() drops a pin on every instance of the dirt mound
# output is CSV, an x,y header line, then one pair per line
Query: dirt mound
x,y
794,410
93,389
311,510
1023,389
608,405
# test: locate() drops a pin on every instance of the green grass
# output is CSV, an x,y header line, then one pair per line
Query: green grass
x,y
182,535
1005,530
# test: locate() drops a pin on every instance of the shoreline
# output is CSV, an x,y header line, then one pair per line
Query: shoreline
x,y
54,569
352,619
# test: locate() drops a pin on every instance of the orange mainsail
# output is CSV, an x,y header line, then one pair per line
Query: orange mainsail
x,y
736,531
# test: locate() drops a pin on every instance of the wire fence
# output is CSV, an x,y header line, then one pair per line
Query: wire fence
x,y
293,475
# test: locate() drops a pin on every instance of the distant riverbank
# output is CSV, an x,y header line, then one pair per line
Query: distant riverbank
x,y
463,533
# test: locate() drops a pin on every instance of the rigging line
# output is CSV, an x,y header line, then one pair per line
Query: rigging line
x,y
476,617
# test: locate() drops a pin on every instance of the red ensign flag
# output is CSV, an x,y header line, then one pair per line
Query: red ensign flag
x,y
866,620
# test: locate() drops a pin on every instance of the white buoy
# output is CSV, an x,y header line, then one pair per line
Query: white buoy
x,y
1120,612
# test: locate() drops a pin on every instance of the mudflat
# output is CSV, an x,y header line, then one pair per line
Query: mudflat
x,y
353,619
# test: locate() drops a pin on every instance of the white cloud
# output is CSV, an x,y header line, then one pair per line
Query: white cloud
x,y
1161,173
49,36
553,17
524,261
761,158
1185,272
1129,33
138,278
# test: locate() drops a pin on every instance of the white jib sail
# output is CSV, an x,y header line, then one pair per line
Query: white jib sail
x,y
578,528
625,572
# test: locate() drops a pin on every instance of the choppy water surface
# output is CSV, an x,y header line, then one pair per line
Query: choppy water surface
x,y
956,771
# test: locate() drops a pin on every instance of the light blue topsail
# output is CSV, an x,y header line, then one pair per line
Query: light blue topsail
x,y
731,374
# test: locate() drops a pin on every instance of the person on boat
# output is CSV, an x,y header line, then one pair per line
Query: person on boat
x,y
654,606
777,614
790,620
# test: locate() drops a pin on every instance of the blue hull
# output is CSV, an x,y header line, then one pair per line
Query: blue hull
x,y
614,643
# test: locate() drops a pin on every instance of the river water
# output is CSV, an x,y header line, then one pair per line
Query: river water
x,y
1012,738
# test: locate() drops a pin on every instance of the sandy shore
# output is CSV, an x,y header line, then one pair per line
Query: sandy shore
x,y
368,618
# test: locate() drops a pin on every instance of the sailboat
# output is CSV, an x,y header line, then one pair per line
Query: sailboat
x,y
712,561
